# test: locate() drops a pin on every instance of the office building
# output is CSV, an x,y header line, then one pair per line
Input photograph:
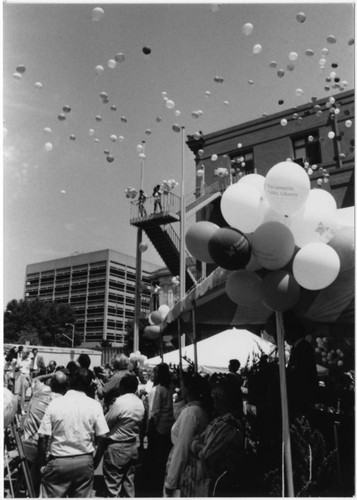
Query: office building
x,y
100,286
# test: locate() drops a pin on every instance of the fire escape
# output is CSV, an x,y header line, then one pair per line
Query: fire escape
x,y
160,231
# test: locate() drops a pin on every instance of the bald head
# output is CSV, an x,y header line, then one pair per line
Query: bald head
x,y
59,382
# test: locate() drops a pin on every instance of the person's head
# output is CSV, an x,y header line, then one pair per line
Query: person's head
x,y
84,360
141,191
120,362
52,365
143,376
59,382
25,355
81,380
20,348
34,352
128,384
162,375
234,365
72,367
226,394
133,366
194,387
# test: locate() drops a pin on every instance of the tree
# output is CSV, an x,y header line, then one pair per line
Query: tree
x,y
38,322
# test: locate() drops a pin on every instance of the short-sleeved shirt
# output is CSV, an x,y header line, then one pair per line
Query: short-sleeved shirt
x,y
124,418
111,388
73,422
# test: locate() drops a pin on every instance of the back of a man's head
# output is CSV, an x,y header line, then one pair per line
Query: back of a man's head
x,y
80,380
128,384
59,382
234,365
120,362
84,360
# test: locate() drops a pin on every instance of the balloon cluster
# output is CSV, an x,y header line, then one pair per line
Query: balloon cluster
x,y
221,172
282,237
327,355
156,319
130,192
138,358
167,186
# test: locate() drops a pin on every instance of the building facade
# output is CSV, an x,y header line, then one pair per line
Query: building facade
x,y
100,286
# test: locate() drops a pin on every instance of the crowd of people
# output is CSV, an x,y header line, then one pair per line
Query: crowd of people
x,y
162,433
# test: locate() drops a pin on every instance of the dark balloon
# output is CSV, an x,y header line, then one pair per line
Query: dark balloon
x,y
146,50
229,248
110,158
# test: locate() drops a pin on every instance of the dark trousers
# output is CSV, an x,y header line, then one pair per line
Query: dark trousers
x,y
159,446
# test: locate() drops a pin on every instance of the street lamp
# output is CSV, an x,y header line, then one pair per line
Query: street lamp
x,y
71,339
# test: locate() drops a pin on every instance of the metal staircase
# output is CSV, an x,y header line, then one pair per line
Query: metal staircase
x,y
160,231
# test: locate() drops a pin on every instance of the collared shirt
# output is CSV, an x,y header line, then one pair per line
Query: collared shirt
x,y
125,417
111,388
73,422
41,398
162,409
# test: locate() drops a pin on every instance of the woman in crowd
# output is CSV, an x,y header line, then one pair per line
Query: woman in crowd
x,y
216,454
192,420
159,428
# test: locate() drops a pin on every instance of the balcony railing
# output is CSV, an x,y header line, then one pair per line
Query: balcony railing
x,y
170,204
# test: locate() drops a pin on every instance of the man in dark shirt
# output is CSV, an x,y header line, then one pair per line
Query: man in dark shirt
x,y
110,390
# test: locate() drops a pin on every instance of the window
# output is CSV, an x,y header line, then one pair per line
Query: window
x,y
243,161
306,148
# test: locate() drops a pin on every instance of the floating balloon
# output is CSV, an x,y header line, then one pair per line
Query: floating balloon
x,y
152,332
148,131
257,48
98,118
17,76
106,151
72,137
287,187
197,239
293,56
273,64
110,159
176,127
218,79
38,86
229,248
156,317
61,117
91,131
351,41
242,206
113,107
283,122
324,52
343,243
47,130
21,69
113,138
226,103
119,57
112,63
97,14
103,95
170,104
331,134
139,148
251,82
273,245
66,109
48,146
99,69
331,39
243,286
142,156
280,73
299,92
348,123
316,266
300,17
164,311
158,119
279,290
146,50
248,29
290,67
123,119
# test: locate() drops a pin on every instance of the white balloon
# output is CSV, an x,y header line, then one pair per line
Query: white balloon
x,y
242,207
17,76
113,138
48,146
257,49
319,199
316,266
99,69
164,310
97,14
112,63
170,104
47,130
287,187
38,85
248,29
91,131
293,56
255,180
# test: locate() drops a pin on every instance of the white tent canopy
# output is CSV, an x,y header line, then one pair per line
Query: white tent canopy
x,y
214,353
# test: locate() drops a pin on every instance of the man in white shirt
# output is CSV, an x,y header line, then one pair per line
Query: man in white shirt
x,y
124,418
72,425
23,380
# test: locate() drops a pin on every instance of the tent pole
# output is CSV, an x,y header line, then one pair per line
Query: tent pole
x,y
179,344
194,334
284,406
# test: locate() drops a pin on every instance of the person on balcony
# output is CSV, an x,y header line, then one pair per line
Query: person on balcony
x,y
141,202
157,198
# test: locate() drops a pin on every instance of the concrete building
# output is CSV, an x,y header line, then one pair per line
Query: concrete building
x,y
100,286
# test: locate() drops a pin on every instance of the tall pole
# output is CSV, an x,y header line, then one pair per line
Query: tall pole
x,y
139,238
73,327
284,407
182,242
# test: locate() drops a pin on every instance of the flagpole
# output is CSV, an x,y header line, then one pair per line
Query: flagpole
x,y
284,407
182,241
139,238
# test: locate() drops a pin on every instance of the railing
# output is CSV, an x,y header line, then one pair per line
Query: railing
x,y
170,203
190,262
201,191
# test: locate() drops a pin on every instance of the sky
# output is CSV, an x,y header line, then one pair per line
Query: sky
x,y
71,199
